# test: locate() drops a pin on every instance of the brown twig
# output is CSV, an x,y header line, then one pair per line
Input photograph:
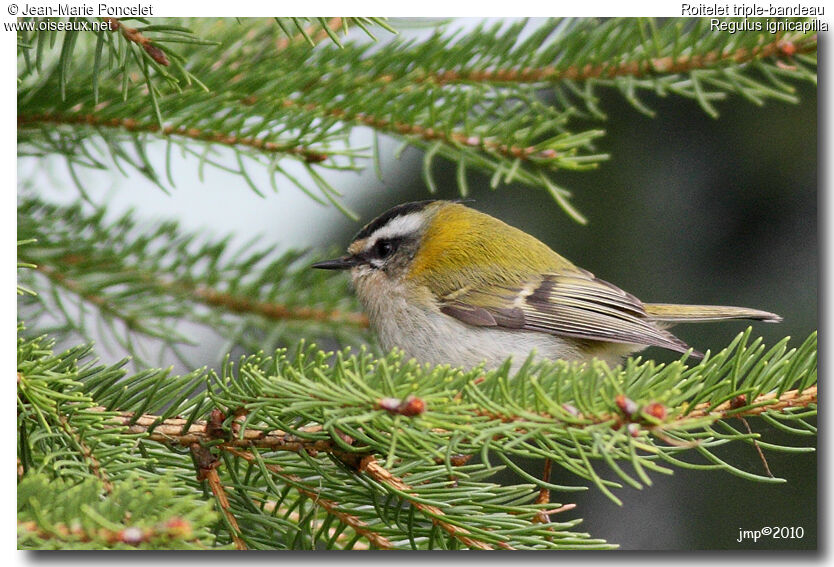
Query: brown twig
x,y
758,449
791,398
207,470
135,36
544,495
87,453
172,431
660,65
416,130
276,310
358,525
133,125
370,466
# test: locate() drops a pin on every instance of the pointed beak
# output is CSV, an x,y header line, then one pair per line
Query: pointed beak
x,y
343,263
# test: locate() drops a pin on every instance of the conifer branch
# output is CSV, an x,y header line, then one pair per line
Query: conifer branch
x,y
428,134
133,35
655,413
55,514
684,63
372,468
227,301
148,278
184,432
492,117
274,311
773,401
358,526
174,431
105,306
288,413
132,125
87,453
206,471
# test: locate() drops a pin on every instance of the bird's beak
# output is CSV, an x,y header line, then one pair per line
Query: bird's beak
x,y
343,263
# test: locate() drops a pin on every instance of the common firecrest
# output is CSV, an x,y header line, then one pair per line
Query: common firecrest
x,y
450,285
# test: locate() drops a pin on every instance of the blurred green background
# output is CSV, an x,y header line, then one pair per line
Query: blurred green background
x,y
689,209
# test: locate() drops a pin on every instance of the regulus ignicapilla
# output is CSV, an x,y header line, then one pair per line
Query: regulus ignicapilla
x,y
450,285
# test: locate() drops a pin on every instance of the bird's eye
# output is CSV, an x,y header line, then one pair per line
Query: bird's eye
x,y
384,248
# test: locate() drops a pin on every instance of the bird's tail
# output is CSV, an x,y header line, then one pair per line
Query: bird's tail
x,y
671,313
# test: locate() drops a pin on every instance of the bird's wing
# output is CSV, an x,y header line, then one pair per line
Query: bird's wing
x,y
573,304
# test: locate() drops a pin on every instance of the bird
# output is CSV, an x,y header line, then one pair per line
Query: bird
x,y
447,284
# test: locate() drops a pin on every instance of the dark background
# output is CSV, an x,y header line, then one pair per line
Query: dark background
x,y
689,209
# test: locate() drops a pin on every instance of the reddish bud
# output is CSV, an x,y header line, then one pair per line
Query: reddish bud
x,y
178,527
412,406
314,157
787,47
459,460
626,405
633,429
156,54
738,402
409,407
656,410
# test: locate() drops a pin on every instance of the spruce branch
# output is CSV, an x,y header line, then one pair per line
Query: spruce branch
x,y
475,99
187,433
354,429
121,56
763,403
87,453
356,524
131,515
372,468
684,63
131,125
206,471
276,311
145,282
135,36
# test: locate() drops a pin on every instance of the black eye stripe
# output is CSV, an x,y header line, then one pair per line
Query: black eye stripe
x,y
384,247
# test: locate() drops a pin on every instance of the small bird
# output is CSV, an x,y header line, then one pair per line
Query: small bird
x,y
451,285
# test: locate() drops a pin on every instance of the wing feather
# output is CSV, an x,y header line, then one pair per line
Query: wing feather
x,y
575,304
